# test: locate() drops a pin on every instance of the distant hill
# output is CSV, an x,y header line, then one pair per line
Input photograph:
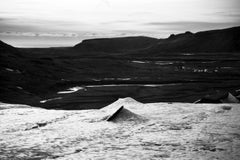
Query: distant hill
x,y
15,74
115,44
225,40
4,47
9,55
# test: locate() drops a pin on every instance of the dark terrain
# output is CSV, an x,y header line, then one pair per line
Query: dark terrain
x,y
181,68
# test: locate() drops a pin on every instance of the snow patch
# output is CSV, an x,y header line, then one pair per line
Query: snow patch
x,y
12,70
124,79
47,100
109,79
18,87
9,69
71,90
187,54
141,62
164,63
130,85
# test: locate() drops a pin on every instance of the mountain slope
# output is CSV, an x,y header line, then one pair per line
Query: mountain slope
x,y
115,44
225,40
108,68
4,47
23,77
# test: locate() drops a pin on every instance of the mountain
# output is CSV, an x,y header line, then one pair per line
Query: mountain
x,y
225,40
115,44
4,47
112,68
24,76
16,76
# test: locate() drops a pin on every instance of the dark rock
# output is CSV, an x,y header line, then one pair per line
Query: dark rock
x,y
226,108
42,124
218,97
78,150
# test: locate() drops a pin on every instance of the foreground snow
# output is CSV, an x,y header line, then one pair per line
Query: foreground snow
x,y
160,131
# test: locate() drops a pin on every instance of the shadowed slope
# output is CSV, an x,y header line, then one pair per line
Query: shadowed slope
x,y
115,44
22,76
119,111
225,40
4,47
123,114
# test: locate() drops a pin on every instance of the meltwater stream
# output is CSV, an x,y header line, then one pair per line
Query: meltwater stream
x,y
77,88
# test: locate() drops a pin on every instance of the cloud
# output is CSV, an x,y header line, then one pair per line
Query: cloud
x,y
36,34
12,25
39,25
235,15
17,28
117,22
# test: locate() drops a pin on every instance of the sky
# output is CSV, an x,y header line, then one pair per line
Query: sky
x,y
48,23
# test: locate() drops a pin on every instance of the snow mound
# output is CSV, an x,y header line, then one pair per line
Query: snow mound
x,y
119,111
123,114
126,102
10,106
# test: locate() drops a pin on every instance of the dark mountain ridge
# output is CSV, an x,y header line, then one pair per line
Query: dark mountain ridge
x,y
224,40
115,44
6,48
29,76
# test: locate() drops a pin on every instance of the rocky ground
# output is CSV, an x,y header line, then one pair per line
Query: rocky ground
x,y
140,131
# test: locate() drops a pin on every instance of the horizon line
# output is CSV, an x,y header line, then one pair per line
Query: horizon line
x,y
112,37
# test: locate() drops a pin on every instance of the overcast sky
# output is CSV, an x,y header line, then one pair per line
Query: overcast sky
x,y
41,23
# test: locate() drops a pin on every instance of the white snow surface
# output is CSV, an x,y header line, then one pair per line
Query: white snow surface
x,y
71,90
168,131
